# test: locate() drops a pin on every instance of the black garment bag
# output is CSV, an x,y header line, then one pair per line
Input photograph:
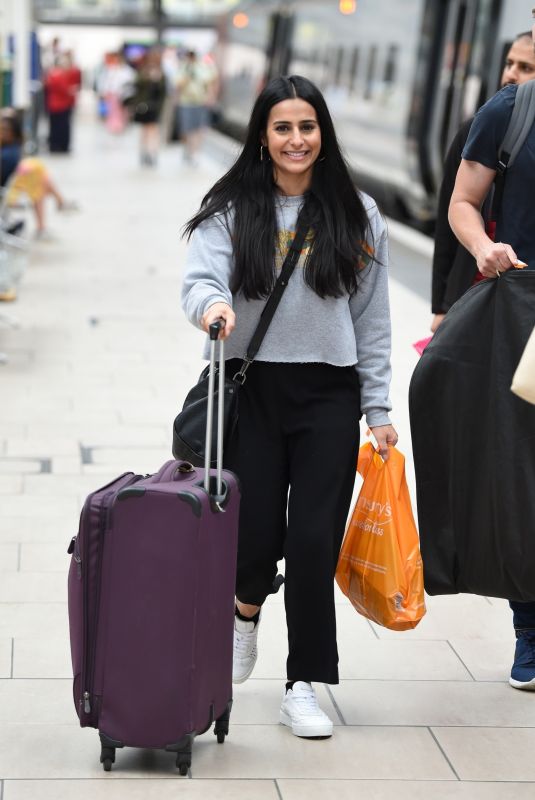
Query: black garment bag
x,y
474,445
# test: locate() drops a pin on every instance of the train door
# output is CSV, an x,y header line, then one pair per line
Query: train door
x,y
469,35
278,55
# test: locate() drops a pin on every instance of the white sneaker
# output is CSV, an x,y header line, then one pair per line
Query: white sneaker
x,y
245,652
301,712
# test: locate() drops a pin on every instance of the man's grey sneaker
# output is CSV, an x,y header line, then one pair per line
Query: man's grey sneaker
x,y
245,651
523,671
301,712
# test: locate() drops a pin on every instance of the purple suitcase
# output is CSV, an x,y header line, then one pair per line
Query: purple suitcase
x,y
151,606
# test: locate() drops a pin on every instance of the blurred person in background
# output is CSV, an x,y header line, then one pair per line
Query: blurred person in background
x,y
147,103
50,53
74,71
196,84
26,176
454,268
61,87
115,85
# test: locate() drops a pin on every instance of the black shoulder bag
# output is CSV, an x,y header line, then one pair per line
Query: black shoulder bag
x,y
189,427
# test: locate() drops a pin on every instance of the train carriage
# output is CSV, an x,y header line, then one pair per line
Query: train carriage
x,y
399,78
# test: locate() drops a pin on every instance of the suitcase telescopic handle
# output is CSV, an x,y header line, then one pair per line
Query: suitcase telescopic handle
x,y
214,330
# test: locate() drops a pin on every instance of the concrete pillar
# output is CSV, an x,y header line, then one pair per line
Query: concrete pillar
x,y
21,28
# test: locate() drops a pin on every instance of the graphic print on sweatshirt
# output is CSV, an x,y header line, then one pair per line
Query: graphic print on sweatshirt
x,y
285,238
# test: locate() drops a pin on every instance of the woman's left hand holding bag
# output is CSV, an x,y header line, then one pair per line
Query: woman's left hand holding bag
x,y
385,436
216,312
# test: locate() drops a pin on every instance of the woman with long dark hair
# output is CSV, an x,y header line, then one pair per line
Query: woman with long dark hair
x,y
324,360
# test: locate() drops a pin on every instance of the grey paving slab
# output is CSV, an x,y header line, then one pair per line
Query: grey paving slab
x,y
12,429
39,506
16,466
22,701
434,703
491,754
10,484
136,454
251,751
54,484
40,448
37,659
9,557
64,752
269,751
464,616
487,660
403,790
21,409
33,587
104,434
40,557
112,788
413,660
66,465
39,621
6,653
28,529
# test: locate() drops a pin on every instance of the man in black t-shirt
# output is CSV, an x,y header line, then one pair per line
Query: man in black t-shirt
x,y
515,240
454,267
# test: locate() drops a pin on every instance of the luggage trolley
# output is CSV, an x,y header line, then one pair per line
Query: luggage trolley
x,y
13,262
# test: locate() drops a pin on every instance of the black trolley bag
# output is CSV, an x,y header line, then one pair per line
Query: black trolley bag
x,y
474,445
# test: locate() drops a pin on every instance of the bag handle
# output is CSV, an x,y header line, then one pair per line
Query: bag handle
x,y
292,257
214,329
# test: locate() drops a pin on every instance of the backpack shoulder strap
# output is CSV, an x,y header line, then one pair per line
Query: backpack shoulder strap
x,y
520,124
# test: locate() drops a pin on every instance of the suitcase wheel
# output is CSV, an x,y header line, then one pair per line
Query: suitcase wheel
x,y
222,724
183,762
107,758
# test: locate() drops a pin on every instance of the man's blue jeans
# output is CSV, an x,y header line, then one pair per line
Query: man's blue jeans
x,y
523,615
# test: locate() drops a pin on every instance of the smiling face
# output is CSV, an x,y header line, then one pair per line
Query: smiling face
x,y
293,139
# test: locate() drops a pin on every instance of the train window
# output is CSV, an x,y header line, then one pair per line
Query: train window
x,y
338,66
391,64
326,71
370,72
354,68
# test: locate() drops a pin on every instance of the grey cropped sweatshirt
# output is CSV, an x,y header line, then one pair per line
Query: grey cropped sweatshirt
x,y
352,330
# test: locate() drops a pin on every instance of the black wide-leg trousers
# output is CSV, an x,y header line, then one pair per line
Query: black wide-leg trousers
x,y
295,452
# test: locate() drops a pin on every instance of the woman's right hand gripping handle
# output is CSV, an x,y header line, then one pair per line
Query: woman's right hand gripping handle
x,y
219,311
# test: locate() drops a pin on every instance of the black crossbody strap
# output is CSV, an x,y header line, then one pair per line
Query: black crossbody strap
x,y
292,257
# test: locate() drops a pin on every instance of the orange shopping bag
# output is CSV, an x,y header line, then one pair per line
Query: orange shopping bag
x,y
380,566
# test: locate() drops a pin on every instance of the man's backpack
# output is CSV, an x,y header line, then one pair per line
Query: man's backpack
x,y
520,124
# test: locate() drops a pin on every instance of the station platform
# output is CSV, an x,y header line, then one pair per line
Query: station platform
x,y
96,370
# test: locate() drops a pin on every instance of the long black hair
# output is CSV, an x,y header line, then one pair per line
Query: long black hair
x,y
332,206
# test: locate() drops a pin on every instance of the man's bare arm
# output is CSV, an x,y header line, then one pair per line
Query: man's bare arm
x,y
471,187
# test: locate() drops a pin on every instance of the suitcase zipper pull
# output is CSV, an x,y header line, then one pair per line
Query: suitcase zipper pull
x,y
77,557
87,704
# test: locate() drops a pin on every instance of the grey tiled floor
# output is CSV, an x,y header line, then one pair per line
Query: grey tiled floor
x,y
97,368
